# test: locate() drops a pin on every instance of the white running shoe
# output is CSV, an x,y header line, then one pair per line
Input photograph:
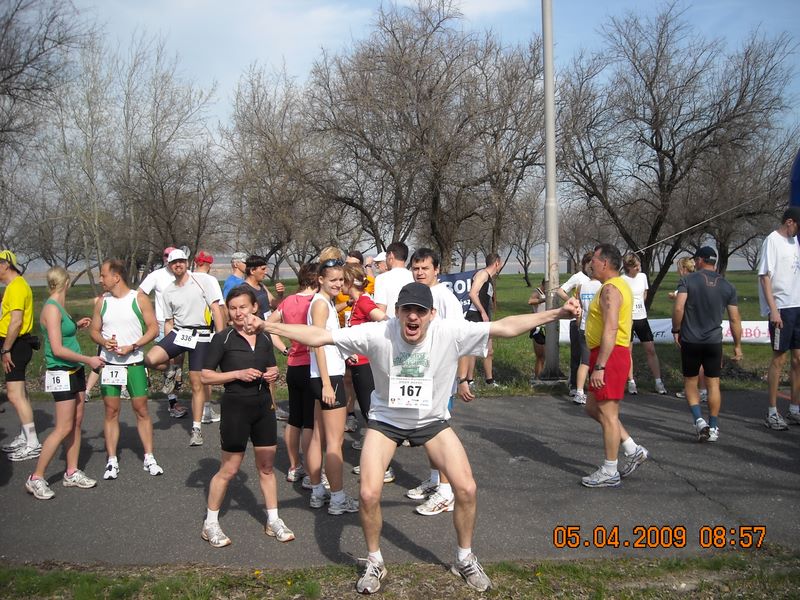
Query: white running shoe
x,y
196,439
15,444
435,504
633,461
775,422
713,434
351,424
39,488
306,483
472,572
279,531
26,453
210,416
370,580
702,429
316,501
601,479
151,466
112,471
213,534
423,490
660,389
78,479
579,397
632,387
792,418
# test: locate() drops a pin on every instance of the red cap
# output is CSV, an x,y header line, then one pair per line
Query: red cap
x,y
168,249
203,257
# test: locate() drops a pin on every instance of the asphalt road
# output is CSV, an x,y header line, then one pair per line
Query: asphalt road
x,y
528,455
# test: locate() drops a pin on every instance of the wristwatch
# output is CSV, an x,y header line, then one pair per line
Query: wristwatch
x,y
462,380
4,351
599,368
285,352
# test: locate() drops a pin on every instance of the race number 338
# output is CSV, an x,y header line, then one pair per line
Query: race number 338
x,y
411,392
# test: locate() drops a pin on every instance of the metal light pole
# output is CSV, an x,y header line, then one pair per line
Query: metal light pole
x,y
551,367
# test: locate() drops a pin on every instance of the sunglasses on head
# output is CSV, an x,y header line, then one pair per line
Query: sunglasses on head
x,y
332,262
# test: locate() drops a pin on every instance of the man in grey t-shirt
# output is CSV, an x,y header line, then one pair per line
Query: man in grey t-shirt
x,y
703,297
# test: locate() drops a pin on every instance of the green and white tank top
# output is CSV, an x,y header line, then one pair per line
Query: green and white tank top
x,y
122,318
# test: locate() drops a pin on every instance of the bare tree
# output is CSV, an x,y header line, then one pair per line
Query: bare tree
x,y
637,118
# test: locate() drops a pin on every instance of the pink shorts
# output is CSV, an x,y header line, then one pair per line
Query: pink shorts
x,y
616,373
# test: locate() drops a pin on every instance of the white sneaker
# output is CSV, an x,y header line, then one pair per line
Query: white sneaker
x,y
26,453
196,439
423,490
210,416
703,395
15,444
660,389
435,504
279,531
775,422
112,471
370,580
792,418
39,488
351,424
151,466
78,479
632,387
306,483
579,397
633,461
713,434
213,534
601,479
702,429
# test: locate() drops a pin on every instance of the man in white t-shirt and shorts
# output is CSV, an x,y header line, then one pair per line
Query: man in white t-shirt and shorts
x,y
413,381
187,329
156,282
779,296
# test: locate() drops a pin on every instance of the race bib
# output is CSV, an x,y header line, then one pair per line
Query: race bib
x,y
638,306
186,338
411,392
114,375
56,381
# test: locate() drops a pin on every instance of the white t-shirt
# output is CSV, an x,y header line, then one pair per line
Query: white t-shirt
x,y
639,287
159,280
186,304
780,259
436,357
445,302
388,286
333,358
588,291
577,279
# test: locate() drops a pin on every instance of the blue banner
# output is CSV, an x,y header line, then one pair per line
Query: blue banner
x,y
459,284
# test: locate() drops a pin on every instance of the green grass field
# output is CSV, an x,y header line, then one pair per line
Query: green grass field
x,y
514,358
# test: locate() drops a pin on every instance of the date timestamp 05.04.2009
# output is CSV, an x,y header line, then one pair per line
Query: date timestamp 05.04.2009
x,y
658,536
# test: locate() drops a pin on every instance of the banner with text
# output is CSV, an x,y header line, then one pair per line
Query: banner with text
x,y
753,332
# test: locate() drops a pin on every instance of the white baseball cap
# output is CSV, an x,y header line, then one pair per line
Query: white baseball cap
x,y
380,257
177,254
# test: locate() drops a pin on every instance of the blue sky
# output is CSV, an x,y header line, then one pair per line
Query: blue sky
x,y
217,40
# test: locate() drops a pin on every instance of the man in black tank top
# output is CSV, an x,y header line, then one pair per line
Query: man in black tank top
x,y
483,302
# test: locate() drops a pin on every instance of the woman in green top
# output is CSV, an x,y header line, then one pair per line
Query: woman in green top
x,y
65,379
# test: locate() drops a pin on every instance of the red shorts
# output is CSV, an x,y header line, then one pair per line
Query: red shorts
x,y
616,373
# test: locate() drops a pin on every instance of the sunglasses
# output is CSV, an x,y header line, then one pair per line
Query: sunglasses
x,y
333,262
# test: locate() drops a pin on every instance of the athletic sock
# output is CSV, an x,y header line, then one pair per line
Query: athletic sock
x,y
112,460
445,490
196,424
629,446
794,409
29,431
712,421
337,497
318,490
212,516
376,556
610,466
696,412
149,457
434,476
463,553
272,515
773,410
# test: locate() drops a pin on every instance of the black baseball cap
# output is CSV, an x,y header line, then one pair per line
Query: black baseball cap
x,y
707,253
793,213
416,294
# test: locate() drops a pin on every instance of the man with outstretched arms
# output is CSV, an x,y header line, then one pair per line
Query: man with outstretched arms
x,y
122,324
186,329
16,349
414,359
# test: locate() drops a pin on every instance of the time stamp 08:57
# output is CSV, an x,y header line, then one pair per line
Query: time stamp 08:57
x,y
658,536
